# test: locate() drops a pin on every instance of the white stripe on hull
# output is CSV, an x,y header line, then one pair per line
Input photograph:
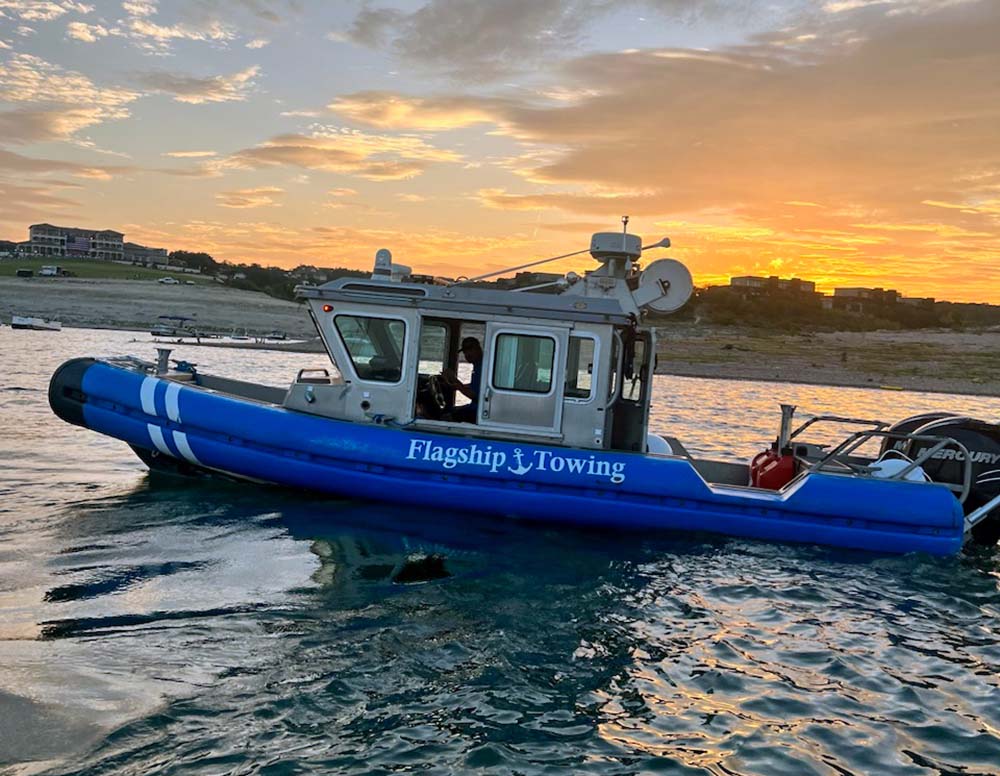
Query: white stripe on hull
x,y
173,407
146,395
181,440
156,437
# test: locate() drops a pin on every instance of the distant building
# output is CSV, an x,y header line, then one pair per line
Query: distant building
x,y
751,285
8,249
864,300
140,254
73,242
788,290
309,274
431,280
926,302
525,279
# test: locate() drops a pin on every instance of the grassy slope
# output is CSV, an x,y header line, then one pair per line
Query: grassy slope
x,y
95,269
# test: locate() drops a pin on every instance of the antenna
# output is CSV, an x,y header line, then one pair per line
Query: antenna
x,y
663,243
519,266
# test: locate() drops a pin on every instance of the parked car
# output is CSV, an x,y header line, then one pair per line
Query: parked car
x,y
169,281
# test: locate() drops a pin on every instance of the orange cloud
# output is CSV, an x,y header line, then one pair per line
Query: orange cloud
x,y
249,198
375,157
392,111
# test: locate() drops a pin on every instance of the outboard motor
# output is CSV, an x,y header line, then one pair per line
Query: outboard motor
x,y
982,440
909,426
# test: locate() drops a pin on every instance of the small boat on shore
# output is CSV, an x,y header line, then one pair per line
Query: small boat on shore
x,y
35,324
177,328
547,421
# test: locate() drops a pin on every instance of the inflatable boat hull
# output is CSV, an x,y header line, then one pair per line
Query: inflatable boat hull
x,y
203,430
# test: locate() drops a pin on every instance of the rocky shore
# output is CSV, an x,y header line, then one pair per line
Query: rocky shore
x,y
135,305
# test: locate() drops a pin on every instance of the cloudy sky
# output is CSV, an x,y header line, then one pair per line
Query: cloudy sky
x,y
854,142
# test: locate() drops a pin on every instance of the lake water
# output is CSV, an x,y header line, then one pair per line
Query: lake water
x,y
156,627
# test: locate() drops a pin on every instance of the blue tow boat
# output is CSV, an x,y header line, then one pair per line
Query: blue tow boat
x,y
548,422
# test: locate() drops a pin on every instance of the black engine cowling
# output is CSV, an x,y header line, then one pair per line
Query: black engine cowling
x,y
982,440
909,426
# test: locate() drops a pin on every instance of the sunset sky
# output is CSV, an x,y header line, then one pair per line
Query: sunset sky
x,y
852,142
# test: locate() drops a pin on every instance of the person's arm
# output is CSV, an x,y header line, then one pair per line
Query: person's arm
x,y
452,381
465,390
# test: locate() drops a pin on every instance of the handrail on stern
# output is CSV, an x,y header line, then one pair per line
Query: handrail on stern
x,y
858,438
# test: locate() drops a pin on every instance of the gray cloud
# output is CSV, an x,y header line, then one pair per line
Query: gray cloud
x,y
472,38
372,26
197,90
374,157
270,12
18,163
476,40
26,125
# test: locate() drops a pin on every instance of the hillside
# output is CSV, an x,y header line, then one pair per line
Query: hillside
x,y
131,304
82,268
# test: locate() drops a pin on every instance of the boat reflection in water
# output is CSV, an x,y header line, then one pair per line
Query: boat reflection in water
x,y
138,561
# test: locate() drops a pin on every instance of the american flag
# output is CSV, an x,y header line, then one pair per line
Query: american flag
x,y
78,244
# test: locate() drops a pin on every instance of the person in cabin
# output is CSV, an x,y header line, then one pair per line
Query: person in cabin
x,y
473,353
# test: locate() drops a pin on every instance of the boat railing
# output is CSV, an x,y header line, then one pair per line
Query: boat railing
x,y
836,419
839,458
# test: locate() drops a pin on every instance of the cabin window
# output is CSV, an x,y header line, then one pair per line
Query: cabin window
x,y
375,346
523,362
433,348
580,368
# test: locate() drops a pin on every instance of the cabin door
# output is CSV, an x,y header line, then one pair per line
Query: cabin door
x,y
523,381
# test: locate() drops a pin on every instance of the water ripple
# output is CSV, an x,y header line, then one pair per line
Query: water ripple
x,y
203,629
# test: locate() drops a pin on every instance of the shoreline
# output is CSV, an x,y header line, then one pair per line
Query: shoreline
x,y
745,369
924,360
990,392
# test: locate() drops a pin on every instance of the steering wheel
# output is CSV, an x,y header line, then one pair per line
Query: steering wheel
x,y
436,391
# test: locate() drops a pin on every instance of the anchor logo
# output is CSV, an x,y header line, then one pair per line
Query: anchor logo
x,y
521,468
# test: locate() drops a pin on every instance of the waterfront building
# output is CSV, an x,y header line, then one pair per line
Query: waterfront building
x,y
73,242
864,300
926,302
526,279
751,285
141,254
